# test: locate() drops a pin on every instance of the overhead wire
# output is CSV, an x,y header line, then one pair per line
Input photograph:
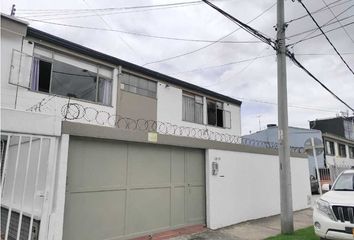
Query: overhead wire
x,y
288,53
324,34
142,34
330,5
340,23
327,23
208,45
312,30
318,35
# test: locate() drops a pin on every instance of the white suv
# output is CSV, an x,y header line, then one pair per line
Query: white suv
x,y
333,215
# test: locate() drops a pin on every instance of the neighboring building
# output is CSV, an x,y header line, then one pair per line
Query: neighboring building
x,y
94,147
297,138
338,138
340,126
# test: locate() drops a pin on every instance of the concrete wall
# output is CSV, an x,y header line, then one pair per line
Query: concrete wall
x,y
137,106
169,109
297,138
247,187
21,98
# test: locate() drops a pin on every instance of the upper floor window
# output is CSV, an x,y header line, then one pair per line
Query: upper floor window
x,y
330,148
61,78
192,108
138,85
351,151
342,150
217,116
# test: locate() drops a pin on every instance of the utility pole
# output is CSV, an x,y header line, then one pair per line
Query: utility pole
x,y
286,204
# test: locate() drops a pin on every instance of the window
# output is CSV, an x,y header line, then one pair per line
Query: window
x,y
217,116
141,86
342,150
330,148
351,151
192,108
57,77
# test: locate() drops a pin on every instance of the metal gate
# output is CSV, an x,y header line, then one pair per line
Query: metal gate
x,y
27,181
121,190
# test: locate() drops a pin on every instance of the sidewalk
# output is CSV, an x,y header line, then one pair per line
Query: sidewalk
x,y
252,230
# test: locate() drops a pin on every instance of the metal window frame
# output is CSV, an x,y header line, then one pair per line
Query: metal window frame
x,y
193,96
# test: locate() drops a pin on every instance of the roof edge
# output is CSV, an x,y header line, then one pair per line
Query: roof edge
x,y
35,33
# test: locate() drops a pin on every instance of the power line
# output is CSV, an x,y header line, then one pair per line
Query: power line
x,y
297,63
109,27
208,45
312,30
142,34
225,64
290,55
324,34
320,10
345,30
329,22
315,36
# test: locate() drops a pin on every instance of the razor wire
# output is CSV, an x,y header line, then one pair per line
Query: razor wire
x,y
76,111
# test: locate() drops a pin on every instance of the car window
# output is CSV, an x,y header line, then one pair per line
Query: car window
x,y
345,182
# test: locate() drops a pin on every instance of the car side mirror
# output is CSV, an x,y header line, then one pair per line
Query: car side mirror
x,y
326,187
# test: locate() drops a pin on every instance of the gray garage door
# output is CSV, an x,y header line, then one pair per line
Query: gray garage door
x,y
119,190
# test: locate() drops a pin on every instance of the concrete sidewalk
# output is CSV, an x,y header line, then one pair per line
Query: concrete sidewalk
x,y
252,230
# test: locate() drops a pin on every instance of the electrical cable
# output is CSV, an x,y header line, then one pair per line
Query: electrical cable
x,y
315,36
315,29
328,22
288,53
142,34
297,63
208,45
336,17
324,34
319,10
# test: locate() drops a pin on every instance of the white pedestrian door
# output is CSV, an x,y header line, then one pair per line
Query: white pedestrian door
x,y
27,171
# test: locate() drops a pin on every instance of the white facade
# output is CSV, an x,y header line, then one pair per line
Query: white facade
x,y
247,186
336,158
169,109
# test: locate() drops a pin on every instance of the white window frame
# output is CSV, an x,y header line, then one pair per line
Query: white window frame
x,y
199,102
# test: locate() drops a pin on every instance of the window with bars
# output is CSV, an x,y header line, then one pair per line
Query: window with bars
x,y
192,108
351,151
342,150
138,85
217,116
330,148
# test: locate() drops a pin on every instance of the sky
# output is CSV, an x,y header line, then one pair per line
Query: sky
x,y
240,67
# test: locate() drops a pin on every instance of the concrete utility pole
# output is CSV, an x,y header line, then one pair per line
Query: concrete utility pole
x,y
286,204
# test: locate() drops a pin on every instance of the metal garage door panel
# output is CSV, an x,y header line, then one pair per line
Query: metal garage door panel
x,y
94,215
178,206
148,165
96,165
120,190
196,207
178,166
148,210
195,166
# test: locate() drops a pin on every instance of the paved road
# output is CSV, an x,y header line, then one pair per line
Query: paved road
x,y
252,230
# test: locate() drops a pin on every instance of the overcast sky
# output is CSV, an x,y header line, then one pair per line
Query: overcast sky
x,y
253,82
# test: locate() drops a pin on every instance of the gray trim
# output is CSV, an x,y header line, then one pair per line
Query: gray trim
x,y
94,131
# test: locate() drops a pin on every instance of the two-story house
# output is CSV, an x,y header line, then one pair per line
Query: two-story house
x,y
338,138
94,147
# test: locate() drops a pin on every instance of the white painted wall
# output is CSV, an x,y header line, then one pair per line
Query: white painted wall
x,y
169,109
247,187
21,98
